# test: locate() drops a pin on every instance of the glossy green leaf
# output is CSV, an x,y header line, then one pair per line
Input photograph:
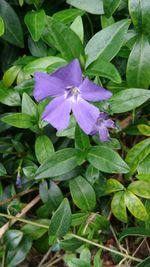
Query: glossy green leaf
x,y
19,120
58,163
118,207
110,6
35,22
81,139
144,129
92,174
104,69
128,99
140,188
78,263
13,30
41,64
134,231
60,222
107,42
107,160
82,193
28,105
138,66
70,244
135,206
14,257
63,39
37,49
77,27
2,170
9,96
1,26
12,238
136,154
68,15
43,148
144,165
94,7
140,14
10,75
113,185
97,260
35,232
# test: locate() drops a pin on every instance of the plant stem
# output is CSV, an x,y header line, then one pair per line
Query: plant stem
x,y
106,248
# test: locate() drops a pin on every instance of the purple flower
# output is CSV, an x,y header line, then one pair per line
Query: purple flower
x,y
102,125
18,180
70,93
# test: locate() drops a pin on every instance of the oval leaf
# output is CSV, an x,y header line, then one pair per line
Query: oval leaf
x,y
60,222
140,188
118,207
94,7
128,99
43,148
135,206
35,22
13,30
18,120
106,160
59,163
107,42
82,193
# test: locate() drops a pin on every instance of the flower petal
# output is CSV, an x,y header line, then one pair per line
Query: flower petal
x,y
109,123
45,86
103,134
70,74
85,114
93,92
57,113
103,116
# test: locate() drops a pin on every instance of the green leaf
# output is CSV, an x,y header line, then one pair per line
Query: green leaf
x,y
12,238
82,193
138,66
107,42
144,263
28,105
128,99
113,185
58,163
140,188
77,27
60,221
97,259
144,166
70,244
134,231
1,26
43,148
35,232
136,154
135,206
144,129
14,257
35,22
118,207
13,31
81,139
63,39
94,7
68,15
18,120
106,160
37,49
2,170
10,75
92,174
78,263
9,97
110,6
140,14
104,69
41,64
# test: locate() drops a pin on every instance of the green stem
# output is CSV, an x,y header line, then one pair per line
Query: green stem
x,y
75,236
24,220
106,248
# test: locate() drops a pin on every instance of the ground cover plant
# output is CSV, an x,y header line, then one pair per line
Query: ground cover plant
x,y
74,133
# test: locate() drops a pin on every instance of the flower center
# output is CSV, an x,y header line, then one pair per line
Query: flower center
x,y
72,92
